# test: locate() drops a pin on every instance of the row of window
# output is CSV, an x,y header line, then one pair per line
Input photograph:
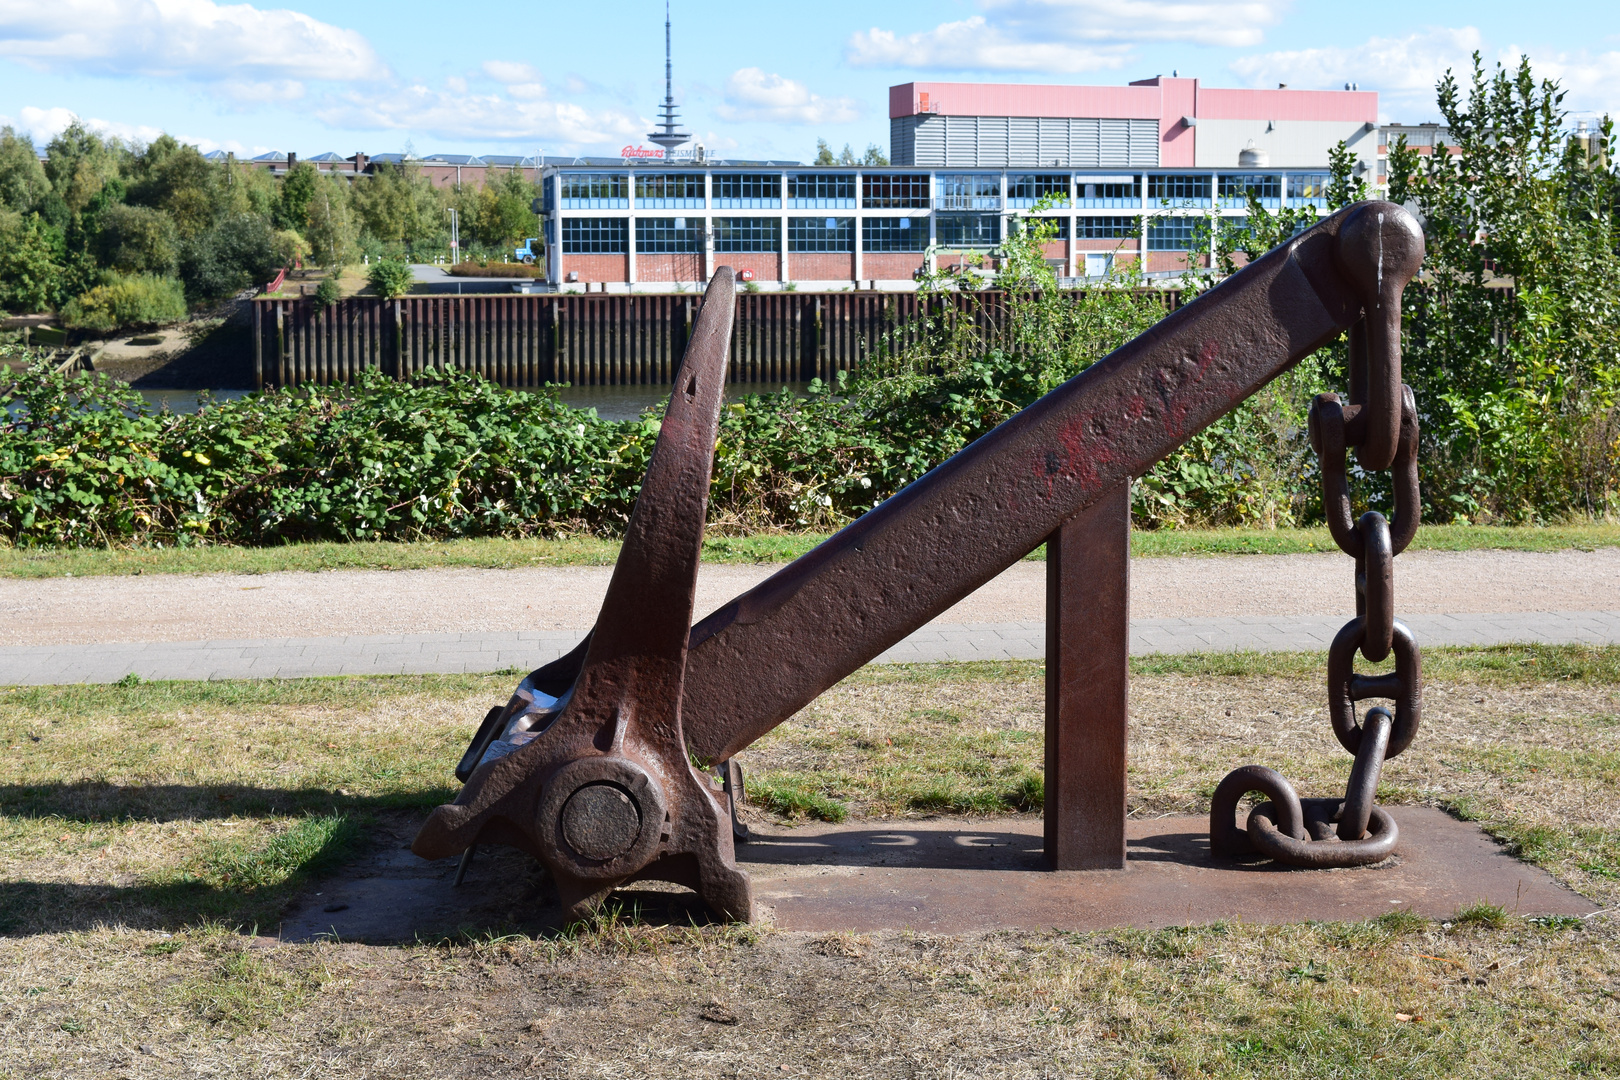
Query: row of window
x,y
655,236
611,236
911,190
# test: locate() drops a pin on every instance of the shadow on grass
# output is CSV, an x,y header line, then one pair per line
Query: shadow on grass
x,y
234,882
89,802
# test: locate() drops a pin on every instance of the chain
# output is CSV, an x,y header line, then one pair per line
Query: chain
x,y
1352,831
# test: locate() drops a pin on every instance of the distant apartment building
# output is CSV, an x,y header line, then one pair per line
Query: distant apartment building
x,y
442,170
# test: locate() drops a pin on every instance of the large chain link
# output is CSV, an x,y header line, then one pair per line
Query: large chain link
x,y
1352,831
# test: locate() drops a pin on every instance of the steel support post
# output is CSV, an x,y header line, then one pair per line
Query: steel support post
x,y
1087,684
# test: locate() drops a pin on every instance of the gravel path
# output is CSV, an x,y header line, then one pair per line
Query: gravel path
x,y
66,611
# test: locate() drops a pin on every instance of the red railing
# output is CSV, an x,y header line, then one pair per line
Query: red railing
x,y
276,283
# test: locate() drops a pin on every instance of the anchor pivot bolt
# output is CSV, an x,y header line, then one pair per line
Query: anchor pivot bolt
x,y
601,821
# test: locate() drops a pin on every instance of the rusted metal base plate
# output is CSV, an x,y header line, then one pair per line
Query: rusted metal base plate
x,y
952,875
946,876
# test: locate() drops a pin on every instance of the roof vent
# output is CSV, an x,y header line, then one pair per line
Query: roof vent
x,y
1252,157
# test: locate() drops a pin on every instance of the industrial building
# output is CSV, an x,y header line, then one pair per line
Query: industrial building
x,y
1125,172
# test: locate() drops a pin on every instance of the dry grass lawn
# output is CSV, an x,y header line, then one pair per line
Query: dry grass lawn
x,y
151,835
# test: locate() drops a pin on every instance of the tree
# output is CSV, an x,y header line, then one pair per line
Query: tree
x,y
328,226
136,239
23,183
1345,187
874,155
238,252
178,180
824,154
399,205
31,274
291,209
502,213
79,162
1517,385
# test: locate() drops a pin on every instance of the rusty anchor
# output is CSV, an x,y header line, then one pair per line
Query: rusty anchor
x,y
602,790
598,766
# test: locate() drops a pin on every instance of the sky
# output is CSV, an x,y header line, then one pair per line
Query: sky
x,y
762,80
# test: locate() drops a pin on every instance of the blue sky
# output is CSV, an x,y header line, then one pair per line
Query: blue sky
x,y
753,80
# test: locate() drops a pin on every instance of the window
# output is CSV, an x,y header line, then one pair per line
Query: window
x,y
894,234
595,191
747,191
1235,188
669,236
1308,189
595,236
1107,228
968,230
1172,233
1029,189
821,234
1109,192
1179,189
669,191
747,234
821,191
896,191
1060,230
968,192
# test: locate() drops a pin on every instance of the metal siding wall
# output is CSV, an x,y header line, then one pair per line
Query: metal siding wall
x,y
1085,138
995,138
1114,144
1144,137
1054,142
1023,140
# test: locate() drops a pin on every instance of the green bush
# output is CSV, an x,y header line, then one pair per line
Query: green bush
x,y
390,277
238,252
127,301
328,292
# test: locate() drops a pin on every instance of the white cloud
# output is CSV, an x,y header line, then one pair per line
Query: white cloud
x,y
1394,65
752,95
1064,35
1591,81
195,38
45,124
1404,70
502,117
508,71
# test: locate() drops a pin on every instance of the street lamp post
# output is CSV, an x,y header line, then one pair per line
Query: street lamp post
x,y
455,236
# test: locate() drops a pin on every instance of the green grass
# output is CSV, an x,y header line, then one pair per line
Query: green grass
x,y
761,548
309,846
149,832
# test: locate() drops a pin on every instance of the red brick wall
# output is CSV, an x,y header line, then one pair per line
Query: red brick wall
x,y
1172,260
596,267
892,265
820,266
686,267
1106,245
1056,249
766,265
982,260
